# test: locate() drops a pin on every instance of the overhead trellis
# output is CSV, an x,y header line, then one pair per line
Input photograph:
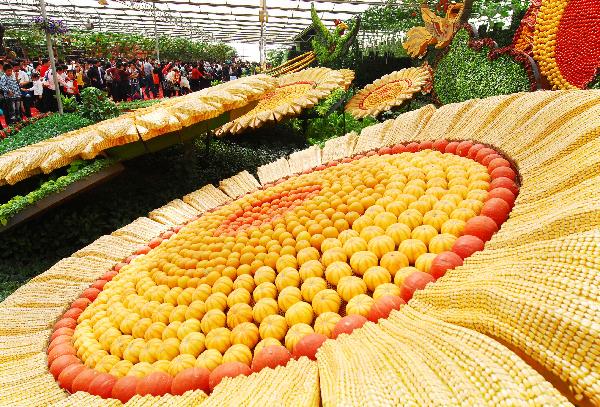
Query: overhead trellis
x,y
221,20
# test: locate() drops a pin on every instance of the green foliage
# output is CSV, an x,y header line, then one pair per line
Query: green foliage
x,y
137,104
43,129
215,82
325,105
595,84
69,103
276,57
77,170
332,48
464,73
321,129
96,106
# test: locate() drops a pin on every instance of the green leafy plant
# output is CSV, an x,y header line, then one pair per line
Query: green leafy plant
x,y
69,103
325,105
96,106
136,104
76,171
215,82
467,71
336,124
43,129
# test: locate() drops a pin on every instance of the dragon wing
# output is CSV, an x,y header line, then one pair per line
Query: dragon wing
x,y
319,26
350,36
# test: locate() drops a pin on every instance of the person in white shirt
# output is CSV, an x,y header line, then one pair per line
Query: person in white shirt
x,y
37,89
49,102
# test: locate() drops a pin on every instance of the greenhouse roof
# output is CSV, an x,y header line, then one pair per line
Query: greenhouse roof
x,y
220,20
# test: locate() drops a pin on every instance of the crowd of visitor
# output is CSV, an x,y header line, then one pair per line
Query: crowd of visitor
x,y
26,84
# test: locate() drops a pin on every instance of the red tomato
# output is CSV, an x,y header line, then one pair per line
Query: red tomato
x,y
308,346
99,284
83,380
440,145
488,158
60,350
412,147
109,275
60,340
451,147
90,293
483,227
69,373
498,162
155,384
73,313
503,172
463,148
65,323
81,303
383,306
425,145
384,151
443,262
194,378
102,385
124,388
155,242
497,209
61,362
348,324
271,356
504,182
472,153
414,281
229,369
466,245
502,193
61,331
398,148
484,152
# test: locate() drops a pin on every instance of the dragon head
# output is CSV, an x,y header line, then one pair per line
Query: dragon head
x,y
340,26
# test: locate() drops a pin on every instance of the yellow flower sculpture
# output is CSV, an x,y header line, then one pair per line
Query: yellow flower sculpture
x,y
388,91
295,92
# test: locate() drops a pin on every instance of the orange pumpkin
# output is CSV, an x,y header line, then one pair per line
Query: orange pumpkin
x,y
271,356
348,324
194,378
231,369
124,388
383,306
155,384
308,346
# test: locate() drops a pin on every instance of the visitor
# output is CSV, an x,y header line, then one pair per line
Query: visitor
x,y
44,67
37,90
195,77
124,85
134,80
95,75
156,79
3,107
49,102
26,95
172,83
111,78
71,85
185,85
80,77
12,95
148,80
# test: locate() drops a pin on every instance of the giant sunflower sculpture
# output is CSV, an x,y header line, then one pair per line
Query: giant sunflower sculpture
x,y
388,91
295,92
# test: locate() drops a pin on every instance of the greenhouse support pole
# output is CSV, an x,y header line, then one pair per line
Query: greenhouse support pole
x,y
263,18
52,60
155,32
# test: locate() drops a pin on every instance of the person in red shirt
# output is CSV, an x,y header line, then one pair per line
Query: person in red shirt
x,y
44,67
195,77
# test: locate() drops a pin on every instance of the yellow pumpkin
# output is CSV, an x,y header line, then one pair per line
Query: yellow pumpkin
x,y
171,296
441,243
167,350
223,285
424,233
392,261
362,261
311,287
132,351
337,270
288,297
361,223
437,181
424,261
396,208
385,219
178,313
186,296
327,300
459,190
264,290
264,274
141,370
459,180
209,359
273,326
354,244
238,353
350,287
422,205
289,277
325,323
213,319
411,218
264,343
405,199
216,301
105,364
245,333
454,227
476,184
371,232
192,344
127,324
118,346
245,281
238,314
238,296
472,204
187,327
155,330
414,190
162,312
375,276
202,292
219,339
312,268
412,249
359,305
307,254
329,243
345,235
386,289
454,198
374,210
287,260
435,218
402,274
300,312
381,245
445,206
295,333
333,255
479,194
121,368
463,214
180,363
196,310
263,308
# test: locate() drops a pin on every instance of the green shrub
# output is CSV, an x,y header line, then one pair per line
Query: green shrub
x,y
464,73
96,106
